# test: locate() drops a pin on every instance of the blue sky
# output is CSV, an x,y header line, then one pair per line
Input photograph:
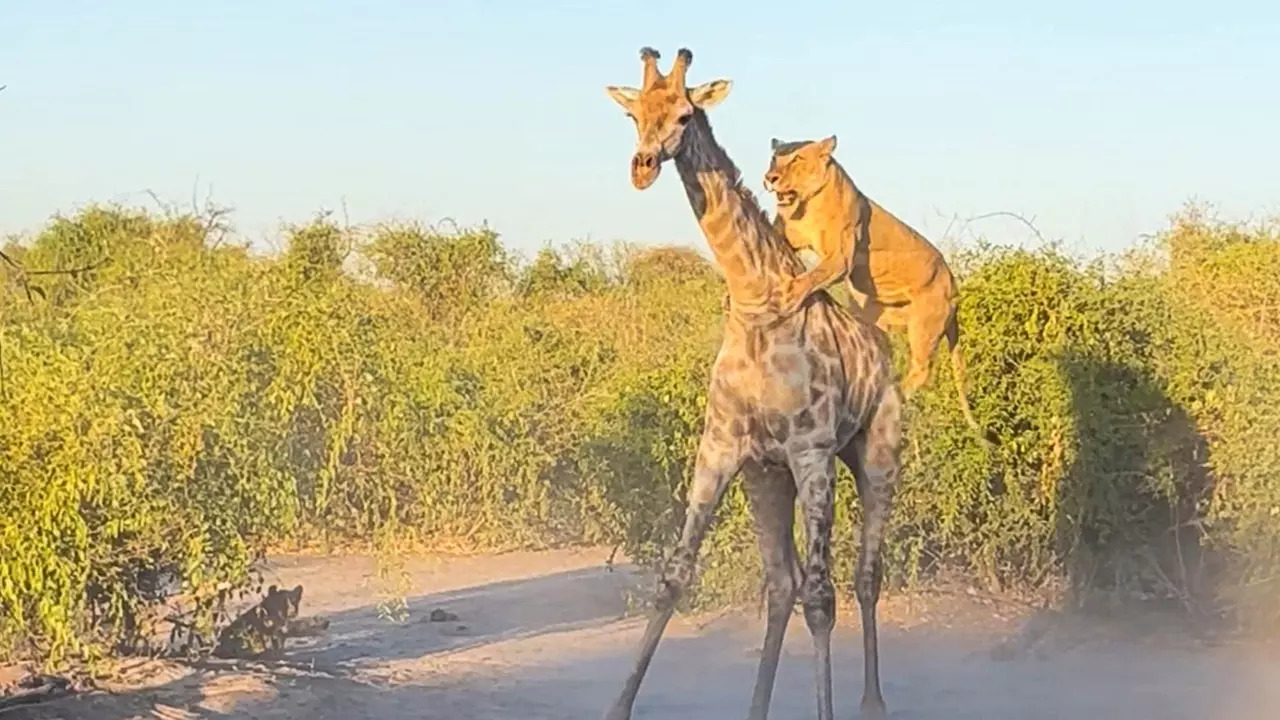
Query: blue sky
x,y
1098,119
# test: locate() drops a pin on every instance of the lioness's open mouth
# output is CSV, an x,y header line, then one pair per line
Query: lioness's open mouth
x,y
787,198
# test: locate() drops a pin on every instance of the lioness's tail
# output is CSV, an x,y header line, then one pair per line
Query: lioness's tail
x,y
958,372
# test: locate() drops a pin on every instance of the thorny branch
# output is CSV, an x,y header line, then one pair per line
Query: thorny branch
x,y
211,217
1009,214
22,275
963,223
23,278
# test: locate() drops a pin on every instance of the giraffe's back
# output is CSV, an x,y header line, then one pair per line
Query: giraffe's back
x,y
865,375
812,381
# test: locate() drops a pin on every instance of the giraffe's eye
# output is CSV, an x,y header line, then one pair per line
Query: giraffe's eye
x,y
684,119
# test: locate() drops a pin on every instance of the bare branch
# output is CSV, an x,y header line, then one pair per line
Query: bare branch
x,y
23,276
68,271
195,207
165,208
214,217
8,260
1009,214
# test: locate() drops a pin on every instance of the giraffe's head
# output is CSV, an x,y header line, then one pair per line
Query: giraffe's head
x,y
661,109
798,170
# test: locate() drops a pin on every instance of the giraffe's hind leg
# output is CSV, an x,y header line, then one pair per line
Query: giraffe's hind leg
x,y
873,456
771,493
719,459
815,475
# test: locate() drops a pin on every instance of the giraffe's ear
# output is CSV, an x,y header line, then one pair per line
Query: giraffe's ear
x,y
624,96
827,145
709,94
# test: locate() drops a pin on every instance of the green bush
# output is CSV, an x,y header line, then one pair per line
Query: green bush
x,y
179,404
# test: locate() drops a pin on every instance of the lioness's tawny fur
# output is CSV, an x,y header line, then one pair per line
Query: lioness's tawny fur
x,y
895,277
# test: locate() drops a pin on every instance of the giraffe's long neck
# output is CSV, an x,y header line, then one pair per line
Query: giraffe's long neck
x,y
751,254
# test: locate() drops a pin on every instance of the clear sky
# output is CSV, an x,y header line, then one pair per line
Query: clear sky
x,y
1099,119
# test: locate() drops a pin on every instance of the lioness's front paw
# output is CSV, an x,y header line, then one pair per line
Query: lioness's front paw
x,y
788,298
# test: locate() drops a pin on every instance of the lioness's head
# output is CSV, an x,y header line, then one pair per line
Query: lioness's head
x,y
282,604
798,170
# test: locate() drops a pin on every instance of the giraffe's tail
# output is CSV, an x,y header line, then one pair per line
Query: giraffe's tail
x,y
958,372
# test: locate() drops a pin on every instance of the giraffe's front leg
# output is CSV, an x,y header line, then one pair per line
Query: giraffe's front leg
x,y
719,459
772,495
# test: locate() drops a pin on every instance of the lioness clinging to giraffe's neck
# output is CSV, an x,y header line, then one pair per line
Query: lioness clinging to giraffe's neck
x,y
895,277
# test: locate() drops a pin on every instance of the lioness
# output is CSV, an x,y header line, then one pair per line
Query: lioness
x,y
262,628
895,276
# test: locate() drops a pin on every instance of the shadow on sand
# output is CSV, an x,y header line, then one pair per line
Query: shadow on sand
x,y
497,612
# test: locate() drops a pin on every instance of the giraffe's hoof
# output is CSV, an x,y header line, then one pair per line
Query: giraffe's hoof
x,y
873,708
620,711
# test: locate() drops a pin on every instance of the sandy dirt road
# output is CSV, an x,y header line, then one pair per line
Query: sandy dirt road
x,y
545,635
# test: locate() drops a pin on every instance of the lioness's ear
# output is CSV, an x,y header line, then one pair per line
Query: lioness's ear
x,y
709,94
624,96
827,145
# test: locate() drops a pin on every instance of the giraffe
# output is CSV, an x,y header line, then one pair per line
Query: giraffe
x,y
789,393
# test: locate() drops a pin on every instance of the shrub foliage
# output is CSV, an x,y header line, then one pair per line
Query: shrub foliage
x,y
180,404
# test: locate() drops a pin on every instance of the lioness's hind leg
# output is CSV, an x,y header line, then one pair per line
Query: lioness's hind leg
x,y
924,330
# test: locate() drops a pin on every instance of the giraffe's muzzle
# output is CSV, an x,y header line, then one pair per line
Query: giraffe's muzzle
x,y
645,166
